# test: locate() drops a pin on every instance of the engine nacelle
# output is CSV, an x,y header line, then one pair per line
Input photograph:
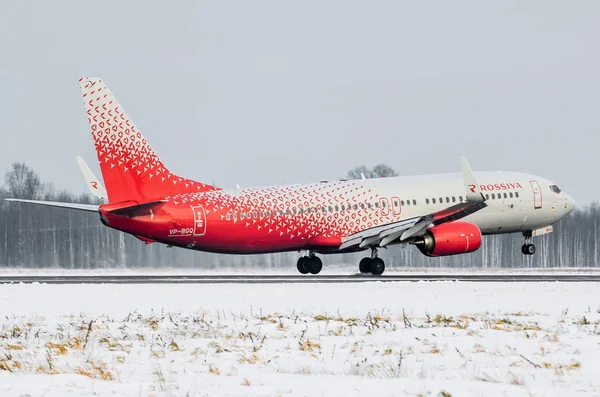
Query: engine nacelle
x,y
450,239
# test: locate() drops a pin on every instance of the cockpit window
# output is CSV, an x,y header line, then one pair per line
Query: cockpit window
x,y
555,189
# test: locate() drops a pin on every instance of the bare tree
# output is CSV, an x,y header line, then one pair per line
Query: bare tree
x,y
379,171
384,171
22,182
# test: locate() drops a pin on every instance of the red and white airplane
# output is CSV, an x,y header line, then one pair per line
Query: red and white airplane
x,y
443,214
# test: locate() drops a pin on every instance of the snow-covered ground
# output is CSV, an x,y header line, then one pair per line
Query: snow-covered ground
x,y
375,339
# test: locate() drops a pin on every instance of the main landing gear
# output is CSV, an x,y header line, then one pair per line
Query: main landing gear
x,y
310,264
374,265
527,248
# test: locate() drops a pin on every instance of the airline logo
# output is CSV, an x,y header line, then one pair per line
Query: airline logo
x,y
497,186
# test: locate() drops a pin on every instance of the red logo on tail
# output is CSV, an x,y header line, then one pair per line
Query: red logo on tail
x,y
94,185
472,188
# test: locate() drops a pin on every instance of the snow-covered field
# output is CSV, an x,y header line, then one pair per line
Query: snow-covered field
x,y
367,339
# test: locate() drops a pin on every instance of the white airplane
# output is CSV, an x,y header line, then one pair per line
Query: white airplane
x,y
442,214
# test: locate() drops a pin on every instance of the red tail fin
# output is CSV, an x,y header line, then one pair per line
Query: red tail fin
x,y
130,168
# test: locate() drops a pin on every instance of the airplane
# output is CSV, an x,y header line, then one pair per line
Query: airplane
x,y
440,214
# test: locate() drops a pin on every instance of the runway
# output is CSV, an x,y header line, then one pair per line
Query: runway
x,y
273,279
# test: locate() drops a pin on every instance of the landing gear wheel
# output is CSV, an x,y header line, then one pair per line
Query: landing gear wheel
x,y
364,266
302,264
314,265
377,266
529,249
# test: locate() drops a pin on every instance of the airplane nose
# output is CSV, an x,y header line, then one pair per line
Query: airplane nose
x,y
570,203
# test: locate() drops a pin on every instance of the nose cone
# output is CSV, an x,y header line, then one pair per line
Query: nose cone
x,y
569,203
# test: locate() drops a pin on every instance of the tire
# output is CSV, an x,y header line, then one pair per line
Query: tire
x,y
301,264
524,249
377,266
314,265
364,266
530,249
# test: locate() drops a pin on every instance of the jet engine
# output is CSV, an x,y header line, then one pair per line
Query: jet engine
x,y
450,239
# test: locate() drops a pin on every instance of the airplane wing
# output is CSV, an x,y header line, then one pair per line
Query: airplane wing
x,y
403,230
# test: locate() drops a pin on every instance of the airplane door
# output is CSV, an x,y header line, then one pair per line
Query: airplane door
x,y
537,194
199,221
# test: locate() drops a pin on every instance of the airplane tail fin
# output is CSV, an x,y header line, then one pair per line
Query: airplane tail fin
x,y
131,169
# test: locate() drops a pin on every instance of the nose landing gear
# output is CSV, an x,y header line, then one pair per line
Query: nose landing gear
x,y
527,248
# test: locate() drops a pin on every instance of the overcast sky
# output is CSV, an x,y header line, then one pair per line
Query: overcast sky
x,y
268,92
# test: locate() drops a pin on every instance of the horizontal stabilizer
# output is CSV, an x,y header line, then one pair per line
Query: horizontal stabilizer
x,y
139,209
93,183
73,206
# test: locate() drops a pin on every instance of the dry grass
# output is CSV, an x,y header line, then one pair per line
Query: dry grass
x,y
95,370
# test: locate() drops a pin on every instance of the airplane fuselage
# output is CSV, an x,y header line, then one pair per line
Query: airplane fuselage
x,y
318,216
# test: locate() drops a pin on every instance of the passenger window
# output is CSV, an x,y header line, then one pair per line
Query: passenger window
x,y
228,216
433,199
294,211
301,211
396,203
493,196
441,200
487,196
330,209
355,206
505,195
460,198
414,202
235,216
362,205
510,194
337,208
255,215
453,199
242,215
376,204
516,194
426,201
407,202
447,199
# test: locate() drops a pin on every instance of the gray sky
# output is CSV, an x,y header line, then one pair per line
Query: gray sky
x,y
268,92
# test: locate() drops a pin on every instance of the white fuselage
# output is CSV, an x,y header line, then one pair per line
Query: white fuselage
x,y
516,201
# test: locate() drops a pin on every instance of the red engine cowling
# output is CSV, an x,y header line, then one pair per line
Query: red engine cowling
x,y
450,239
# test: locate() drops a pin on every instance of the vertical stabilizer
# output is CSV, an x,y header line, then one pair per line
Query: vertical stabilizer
x,y
130,168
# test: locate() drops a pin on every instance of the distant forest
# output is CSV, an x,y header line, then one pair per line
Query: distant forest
x,y
38,237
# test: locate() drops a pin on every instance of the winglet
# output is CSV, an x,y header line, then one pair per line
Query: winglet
x,y
473,193
92,182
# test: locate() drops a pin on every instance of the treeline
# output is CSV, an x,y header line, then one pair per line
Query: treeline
x,y
32,236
